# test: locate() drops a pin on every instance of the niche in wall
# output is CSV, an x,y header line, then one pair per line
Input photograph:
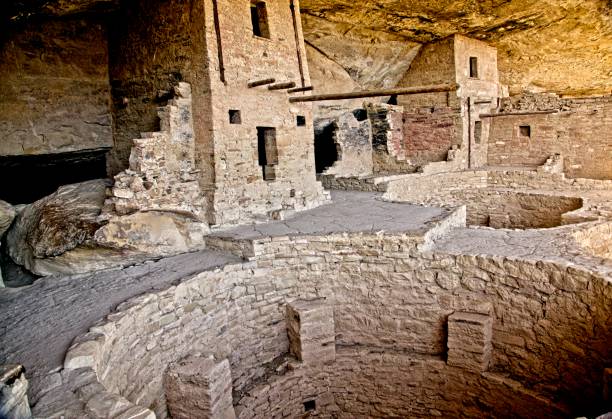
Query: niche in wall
x,y
474,67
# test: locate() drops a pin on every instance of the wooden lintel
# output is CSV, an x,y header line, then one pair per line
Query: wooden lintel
x,y
374,93
493,115
263,82
300,89
282,86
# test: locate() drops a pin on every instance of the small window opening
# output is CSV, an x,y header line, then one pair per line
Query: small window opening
x,y
525,131
267,152
477,131
259,19
474,67
234,116
301,121
310,405
360,114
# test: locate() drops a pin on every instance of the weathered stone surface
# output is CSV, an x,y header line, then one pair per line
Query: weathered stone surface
x,y
578,129
199,387
7,214
310,327
54,90
13,393
56,224
544,45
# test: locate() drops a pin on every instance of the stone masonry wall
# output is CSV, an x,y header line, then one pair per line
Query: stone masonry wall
x,y
578,129
54,88
352,137
241,192
550,329
429,133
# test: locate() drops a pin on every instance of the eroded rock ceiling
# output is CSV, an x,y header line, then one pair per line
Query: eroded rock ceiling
x,y
563,46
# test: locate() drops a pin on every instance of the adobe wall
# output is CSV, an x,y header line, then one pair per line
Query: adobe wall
x,y
54,88
550,331
578,129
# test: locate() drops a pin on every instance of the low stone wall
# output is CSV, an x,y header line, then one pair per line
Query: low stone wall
x,y
596,239
550,330
508,199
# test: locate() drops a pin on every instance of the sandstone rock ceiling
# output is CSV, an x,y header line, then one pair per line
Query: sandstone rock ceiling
x,y
544,45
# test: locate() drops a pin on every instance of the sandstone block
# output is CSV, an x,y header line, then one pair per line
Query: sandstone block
x,y
311,330
469,340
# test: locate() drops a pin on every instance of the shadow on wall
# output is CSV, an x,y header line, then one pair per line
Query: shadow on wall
x,y
29,178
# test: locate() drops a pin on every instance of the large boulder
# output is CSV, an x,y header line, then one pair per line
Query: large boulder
x,y
7,214
57,223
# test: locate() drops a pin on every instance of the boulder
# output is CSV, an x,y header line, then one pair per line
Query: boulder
x,y
7,214
57,223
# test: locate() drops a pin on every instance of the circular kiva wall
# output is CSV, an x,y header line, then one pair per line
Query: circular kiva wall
x,y
362,326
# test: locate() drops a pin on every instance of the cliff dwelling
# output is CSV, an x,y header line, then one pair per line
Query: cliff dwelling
x,y
281,209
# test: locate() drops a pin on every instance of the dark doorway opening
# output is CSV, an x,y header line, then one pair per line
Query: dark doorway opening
x,y
259,19
326,152
267,152
26,179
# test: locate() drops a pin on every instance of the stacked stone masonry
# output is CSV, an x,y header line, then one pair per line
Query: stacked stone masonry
x,y
577,128
391,306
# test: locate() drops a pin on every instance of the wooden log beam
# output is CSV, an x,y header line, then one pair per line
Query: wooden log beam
x,y
493,115
300,89
263,82
374,93
282,86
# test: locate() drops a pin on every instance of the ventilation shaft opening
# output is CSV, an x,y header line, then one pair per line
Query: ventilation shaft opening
x,y
326,151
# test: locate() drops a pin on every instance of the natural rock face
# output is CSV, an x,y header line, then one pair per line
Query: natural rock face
x,y
13,388
553,45
58,223
54,91
7,213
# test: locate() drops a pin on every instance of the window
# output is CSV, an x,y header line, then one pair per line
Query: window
x,y
267,152
301,121
234,116
525,131
474,67
477,131
310,405
259,19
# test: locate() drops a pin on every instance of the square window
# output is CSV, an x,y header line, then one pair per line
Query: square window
x,y
234,116
474,67
525,131
301,121
310,405
259,19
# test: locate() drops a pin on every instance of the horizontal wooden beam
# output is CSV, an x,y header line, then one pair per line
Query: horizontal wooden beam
x,y
260,82
493,115
282,86
300,89
374,93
